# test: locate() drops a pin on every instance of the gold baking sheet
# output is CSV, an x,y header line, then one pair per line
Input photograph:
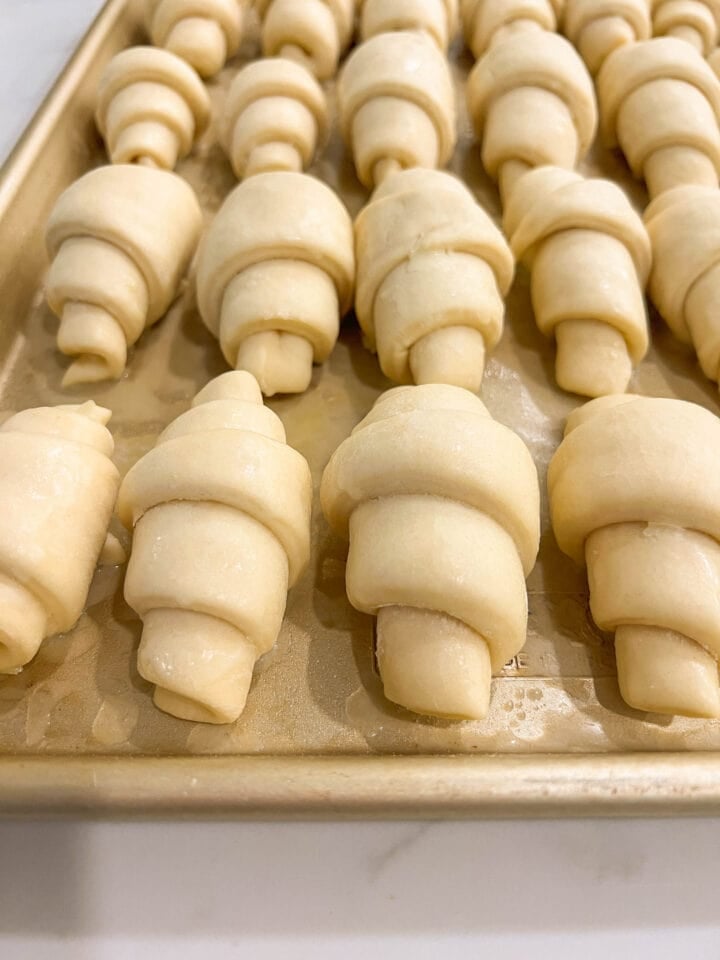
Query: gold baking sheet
x,y
78,731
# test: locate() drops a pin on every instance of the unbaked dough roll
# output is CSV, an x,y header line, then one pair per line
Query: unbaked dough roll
x,y
151,108
684,228
697,22
314,33
397,105
58,487
660,102
437,18
588,254
432,273
274,114
532,103
121,239
598,27
221,514
441,507
487,22
275,274
205,33
634,489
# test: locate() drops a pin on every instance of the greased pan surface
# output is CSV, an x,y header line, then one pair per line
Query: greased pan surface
x,y
78,730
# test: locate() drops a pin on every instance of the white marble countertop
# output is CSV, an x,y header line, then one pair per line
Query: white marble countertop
x,y
81,890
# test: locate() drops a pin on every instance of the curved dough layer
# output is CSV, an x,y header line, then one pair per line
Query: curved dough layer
x,y
220,510
697,22
314,33
487,22
436,18
588,255
397,105
120,239
684,228
634,489
433,270
531,104
58,486
205,33
274,114
660,103
275,273
441,506
151,108
598,27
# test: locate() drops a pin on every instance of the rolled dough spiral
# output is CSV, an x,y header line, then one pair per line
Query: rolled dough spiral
x,y
660,103
589,258
274,115
684,228
532,104
437,18
598,27
276,272
205,33
697,22
397,105
221,514
441,506
314,33
121,239
634,489
432,273
58,486
151,108
487,22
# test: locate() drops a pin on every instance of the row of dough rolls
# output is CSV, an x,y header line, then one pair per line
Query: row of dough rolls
x,y
440,544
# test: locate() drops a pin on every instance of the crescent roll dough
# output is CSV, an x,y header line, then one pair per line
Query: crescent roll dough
x,y
589,258
151,108
274,114
695,21
437,18
397,105
432,273
634,492
684,228
598,27
315,33
58,486
221,514
276,272
121,239
660,103
532,103
441,507
487,22
205,33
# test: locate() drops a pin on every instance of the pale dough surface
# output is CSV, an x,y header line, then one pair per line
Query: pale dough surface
x,y
433,270
59,486
634,489
315,33
396,104
151,107
441,506
278,264
220,509
205,33
120,239
273,117
589,258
